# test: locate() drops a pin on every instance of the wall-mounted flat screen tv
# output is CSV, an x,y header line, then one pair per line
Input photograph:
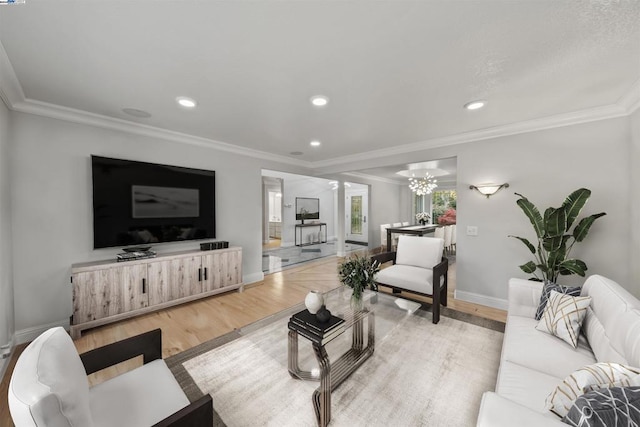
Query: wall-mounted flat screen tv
x,y
307,208
137,203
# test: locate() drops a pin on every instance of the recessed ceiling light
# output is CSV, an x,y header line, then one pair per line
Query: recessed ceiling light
x,y
315,143
136,113
474,105
319,100
186,102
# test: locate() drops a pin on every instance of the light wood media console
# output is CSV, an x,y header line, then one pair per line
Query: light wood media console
x,y
109,291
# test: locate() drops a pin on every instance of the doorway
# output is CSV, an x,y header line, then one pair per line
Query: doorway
x,y
272,212
356,214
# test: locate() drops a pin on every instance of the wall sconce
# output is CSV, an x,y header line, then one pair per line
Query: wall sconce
x,y
488,189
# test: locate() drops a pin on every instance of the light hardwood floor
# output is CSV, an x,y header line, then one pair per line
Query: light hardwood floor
x,y
188,325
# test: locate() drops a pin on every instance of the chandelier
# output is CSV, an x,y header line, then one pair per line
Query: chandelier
x,y
424,185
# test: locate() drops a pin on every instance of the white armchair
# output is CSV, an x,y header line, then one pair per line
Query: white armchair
x,y
49,386
418,267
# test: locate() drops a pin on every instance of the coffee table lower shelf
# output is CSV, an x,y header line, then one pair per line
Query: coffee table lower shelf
x,y
333,374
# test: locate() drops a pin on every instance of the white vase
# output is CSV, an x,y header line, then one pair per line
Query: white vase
x,y
313,301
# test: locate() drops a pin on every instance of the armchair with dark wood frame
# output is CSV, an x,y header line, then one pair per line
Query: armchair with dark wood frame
x,y
419,267
149,346
49,386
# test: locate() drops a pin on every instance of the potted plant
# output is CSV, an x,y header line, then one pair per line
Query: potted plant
x,y
555,238
423,217
357,272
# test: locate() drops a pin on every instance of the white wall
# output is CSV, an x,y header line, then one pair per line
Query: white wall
x,y
51,203
545,167
52,218
6,254
634,197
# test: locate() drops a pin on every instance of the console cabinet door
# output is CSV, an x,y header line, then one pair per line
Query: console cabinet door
x,y
222,269
134,286
102,293
174,278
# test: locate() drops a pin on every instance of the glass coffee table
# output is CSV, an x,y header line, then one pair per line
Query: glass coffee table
x,y
358,328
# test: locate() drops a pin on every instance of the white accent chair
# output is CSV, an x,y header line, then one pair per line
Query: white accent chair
x,y
404,224
418,267
49,386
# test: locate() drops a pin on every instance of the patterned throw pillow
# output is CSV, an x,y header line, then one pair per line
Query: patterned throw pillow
x,y
546,291
607,407
563,316
591,377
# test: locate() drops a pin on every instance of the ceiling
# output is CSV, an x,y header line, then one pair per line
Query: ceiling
x,y
397,73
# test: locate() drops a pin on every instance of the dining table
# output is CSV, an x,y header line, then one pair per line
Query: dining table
x,y
417,230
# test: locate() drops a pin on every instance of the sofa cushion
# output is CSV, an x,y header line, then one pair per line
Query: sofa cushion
x,y
546,292
407,277
613,323
525,386
132,400
526,346
610,407
425,252
583,380
49,385
563,316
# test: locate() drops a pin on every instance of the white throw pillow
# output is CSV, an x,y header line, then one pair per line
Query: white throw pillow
x,y
563,316
589,378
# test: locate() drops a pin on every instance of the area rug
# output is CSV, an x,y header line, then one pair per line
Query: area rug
x,y
420,374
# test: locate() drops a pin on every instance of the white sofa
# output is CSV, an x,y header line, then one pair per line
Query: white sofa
x,y
533,363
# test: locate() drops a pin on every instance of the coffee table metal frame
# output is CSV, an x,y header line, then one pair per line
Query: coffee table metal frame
x,y
333,374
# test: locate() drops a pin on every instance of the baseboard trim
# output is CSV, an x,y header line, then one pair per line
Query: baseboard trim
x,y
480,299
253,278
29,334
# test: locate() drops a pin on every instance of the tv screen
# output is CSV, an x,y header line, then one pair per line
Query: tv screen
x,y
307,208
137,203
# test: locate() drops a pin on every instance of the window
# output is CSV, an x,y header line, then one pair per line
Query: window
x,y
356,215
435,204
443,201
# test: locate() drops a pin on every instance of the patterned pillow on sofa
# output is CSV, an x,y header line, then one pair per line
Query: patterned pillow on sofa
x,y
607,407
590,378
563,317
546,291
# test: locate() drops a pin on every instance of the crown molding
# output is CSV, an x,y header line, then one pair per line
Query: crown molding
x,y
631,101
372,178
83,117
560,120
13,96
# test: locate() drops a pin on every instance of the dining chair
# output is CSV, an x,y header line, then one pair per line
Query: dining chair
x,y
394,236
447,238
383,236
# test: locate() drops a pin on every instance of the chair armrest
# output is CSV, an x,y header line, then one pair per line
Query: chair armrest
x,y
498,411
524,296
384,257
148,344
197,414
440,271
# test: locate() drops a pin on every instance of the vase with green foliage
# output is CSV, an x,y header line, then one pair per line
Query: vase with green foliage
x,y
555,237
357,272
